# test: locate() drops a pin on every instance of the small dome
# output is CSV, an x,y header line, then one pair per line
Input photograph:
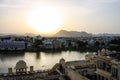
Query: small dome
x,y
103,50
21,64
62,60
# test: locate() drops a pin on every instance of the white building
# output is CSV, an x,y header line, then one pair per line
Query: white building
x,y
48,44
12,45
91,42
63,42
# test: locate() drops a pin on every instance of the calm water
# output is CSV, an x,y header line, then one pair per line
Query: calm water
x,y
40,60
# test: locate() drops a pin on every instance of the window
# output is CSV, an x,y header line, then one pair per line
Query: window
x,y
108,67
114,72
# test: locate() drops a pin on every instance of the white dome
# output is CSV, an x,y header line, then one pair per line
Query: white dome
x,y
103,50
21,64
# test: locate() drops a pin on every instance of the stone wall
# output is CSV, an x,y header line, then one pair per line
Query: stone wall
x,y
73,75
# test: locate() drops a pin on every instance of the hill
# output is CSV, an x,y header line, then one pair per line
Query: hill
x,y
64,33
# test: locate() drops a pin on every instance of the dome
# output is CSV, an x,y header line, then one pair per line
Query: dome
x,y
21,64
103,50
62,60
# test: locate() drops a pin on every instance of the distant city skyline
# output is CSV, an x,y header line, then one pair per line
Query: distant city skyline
x,y
92,16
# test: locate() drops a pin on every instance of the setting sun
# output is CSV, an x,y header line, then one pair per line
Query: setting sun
x,y
44,19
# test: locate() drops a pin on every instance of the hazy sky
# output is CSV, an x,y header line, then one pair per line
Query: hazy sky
x,y
93,16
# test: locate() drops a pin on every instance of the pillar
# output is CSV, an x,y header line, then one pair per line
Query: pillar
x,y
10,71
16,70
31,68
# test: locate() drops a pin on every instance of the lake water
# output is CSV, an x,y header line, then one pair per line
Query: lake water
x,y
40,60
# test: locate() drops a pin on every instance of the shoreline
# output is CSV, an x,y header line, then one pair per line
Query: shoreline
x,y
83,49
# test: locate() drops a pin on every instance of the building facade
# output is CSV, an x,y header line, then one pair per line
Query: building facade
x,y
108,67
12,45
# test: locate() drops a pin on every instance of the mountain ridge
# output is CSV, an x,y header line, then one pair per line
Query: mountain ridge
x,y
64,33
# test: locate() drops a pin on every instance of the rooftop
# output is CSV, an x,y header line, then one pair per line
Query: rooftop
x,y
21,65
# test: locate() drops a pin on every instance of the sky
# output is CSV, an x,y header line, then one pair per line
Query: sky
x,y
92,16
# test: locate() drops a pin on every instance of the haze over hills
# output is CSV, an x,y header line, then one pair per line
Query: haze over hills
x,y
64,33
107,34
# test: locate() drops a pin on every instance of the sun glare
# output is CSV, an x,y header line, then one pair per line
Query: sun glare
x,y
44,19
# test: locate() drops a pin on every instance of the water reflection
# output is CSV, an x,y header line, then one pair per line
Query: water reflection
x,y
10,55
40,60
